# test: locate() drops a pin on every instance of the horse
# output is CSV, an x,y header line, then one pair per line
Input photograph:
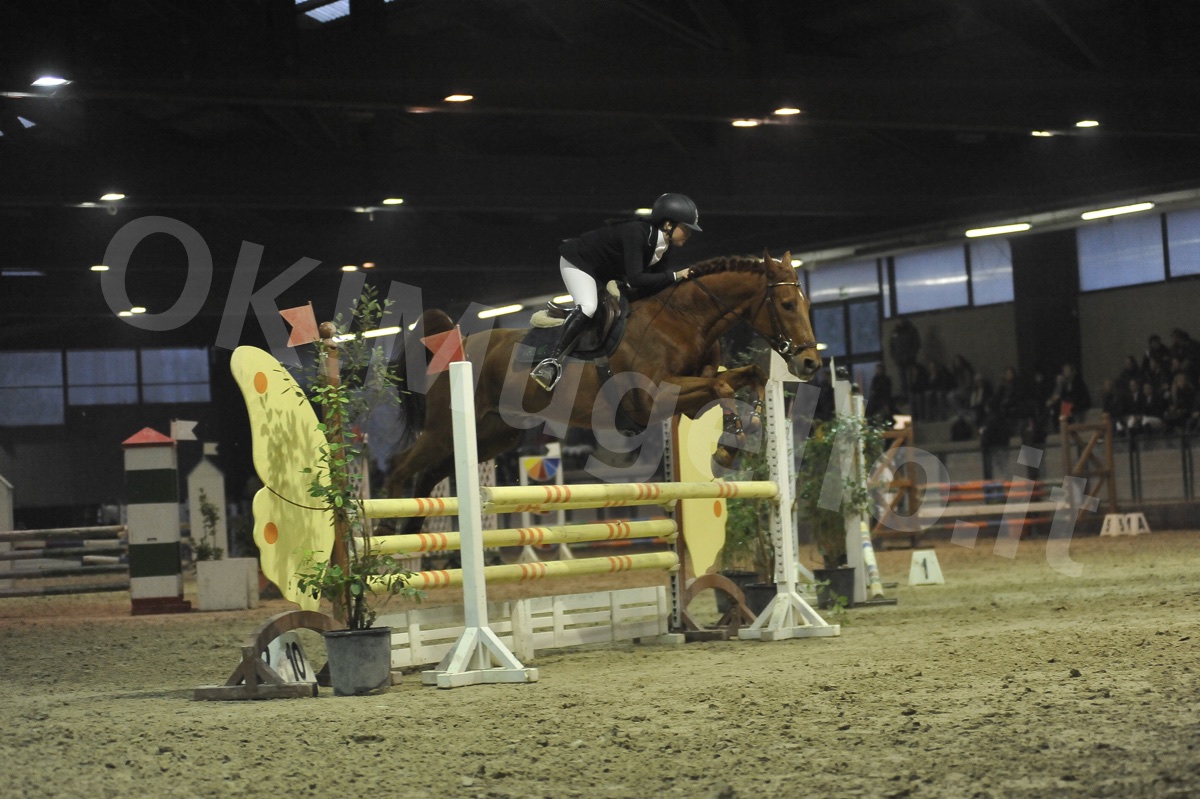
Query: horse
x,y
664,365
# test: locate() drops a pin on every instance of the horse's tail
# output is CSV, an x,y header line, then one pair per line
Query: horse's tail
x,y
412,395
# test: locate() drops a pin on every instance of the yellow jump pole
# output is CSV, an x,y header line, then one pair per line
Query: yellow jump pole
x,y
406,508
510,499
527,572
523,536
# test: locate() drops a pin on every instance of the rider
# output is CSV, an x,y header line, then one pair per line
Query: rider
x,y
635,251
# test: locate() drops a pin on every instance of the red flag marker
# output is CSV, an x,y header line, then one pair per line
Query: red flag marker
x,y
304,325
446,348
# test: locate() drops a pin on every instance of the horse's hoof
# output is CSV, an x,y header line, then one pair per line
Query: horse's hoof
x,y
723,458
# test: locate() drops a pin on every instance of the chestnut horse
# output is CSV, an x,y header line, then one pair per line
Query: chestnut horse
x,y
663,366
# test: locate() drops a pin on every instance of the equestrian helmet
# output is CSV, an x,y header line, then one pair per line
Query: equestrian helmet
x,y
677,208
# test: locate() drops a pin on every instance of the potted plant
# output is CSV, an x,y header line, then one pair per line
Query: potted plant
x,y
221,583
354,577
829,492
748,537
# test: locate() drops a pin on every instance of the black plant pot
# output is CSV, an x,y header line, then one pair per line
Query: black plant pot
x,y
834,583
360,661
758,596
739,578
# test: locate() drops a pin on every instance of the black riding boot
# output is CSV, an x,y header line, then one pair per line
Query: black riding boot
x,y
549,370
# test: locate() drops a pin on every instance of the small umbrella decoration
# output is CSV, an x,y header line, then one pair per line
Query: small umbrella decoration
x,y
541,468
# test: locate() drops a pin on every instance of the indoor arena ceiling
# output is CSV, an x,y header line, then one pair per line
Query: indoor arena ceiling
x,y
253,121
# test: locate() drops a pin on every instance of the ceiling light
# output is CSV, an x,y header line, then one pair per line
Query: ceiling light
x,y
787,111
368,264
1087,123
51,80
100,268
561,298
644,211
112,196
797,262
501,311
26,123
822,347
137,309
394,201
22,273
125,313
996,230
1044,134
1123,209
350,268
383,331
745,123
459,98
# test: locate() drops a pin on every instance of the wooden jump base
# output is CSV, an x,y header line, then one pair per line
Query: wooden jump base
x,y
84,553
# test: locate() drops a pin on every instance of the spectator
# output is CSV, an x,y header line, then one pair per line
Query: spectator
x,y
1130,371
1182,403
938,391
1033,430
1148,410
964,376
917,380
979,399
1008,406
1117,401
1070,399
1185,348
879,396
1155,350
905,343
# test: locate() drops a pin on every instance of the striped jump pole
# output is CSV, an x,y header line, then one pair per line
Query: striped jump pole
x,y
528,572
510,499
528,536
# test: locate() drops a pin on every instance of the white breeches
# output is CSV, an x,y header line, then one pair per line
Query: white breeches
x,y
581,286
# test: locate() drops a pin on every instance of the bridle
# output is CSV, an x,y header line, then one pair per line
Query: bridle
x,y
778,340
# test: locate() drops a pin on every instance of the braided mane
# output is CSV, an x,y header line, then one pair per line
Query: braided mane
x,y
728,263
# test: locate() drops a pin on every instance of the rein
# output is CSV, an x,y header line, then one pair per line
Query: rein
x,y
778,341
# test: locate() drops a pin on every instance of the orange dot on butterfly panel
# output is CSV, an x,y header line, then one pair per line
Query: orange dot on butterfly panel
x,y
717,509
270,533
260,382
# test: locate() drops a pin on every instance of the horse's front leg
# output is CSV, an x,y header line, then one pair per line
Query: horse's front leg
x,y
697,394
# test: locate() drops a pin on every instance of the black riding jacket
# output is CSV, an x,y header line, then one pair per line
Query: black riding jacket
x,y
621,251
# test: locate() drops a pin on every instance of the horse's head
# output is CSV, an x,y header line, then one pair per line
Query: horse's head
x,y
783,318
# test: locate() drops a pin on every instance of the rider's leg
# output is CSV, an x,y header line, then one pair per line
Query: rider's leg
x,y
582,287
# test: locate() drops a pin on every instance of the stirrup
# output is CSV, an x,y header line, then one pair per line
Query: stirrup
x,y
547,373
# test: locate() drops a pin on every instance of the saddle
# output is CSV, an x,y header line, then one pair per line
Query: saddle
x,y
595,340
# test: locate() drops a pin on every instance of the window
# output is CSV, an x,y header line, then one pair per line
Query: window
x,y
31,388
991,271
829,325
1120,252
1183,242
932,279
102,377
843,281
175,376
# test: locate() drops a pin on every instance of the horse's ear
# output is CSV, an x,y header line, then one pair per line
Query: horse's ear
x,y
787,258
766,256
